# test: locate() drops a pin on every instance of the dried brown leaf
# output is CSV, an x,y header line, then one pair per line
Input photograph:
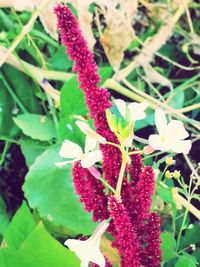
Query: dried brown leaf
x,y
48,18
85,21
21,5
118,34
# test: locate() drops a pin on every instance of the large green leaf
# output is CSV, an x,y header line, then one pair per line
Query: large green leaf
x,y
36,126
168,246
4,217
41,250
38,250
50,190
72,101
31,149
186,260
20,227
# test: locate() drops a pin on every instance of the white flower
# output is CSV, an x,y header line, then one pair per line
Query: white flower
x,y
84,127
133,111
71,150
89,250
171,136
88,158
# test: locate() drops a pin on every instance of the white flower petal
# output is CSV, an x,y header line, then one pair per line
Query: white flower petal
x,y
90,143
121,106
181,146
85,128
91,158
156,142
175,129
84,264
89,250
63,163
70,150
161,121
137,111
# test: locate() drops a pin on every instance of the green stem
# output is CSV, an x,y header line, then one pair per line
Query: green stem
x,y
3,155
5,138
107,185
40,35
121,174
113,144
13,95
181,229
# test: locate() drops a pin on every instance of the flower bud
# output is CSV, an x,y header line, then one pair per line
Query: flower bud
x,y
168,175
176,174
169,161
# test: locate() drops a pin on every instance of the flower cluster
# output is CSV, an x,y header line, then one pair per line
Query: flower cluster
x,y
129,185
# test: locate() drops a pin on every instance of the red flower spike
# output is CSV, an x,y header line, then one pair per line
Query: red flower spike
x,y
97,98
143,192
91,192
152,252
125,235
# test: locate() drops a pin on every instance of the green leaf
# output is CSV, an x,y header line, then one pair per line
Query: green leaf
x,y
31,150
149,120
36,126
23,87
60,60
7,126
186,260
40,249
70,131
105,73
196,254
50,190
72,101
20,227
168,251
177,99
4,217
191,236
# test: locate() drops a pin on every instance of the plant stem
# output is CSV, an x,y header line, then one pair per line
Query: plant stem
x,y
113,144
107,185
25,30
121,174
182,225
3,155
13,95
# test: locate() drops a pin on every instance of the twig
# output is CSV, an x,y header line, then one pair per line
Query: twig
x,y
25,30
